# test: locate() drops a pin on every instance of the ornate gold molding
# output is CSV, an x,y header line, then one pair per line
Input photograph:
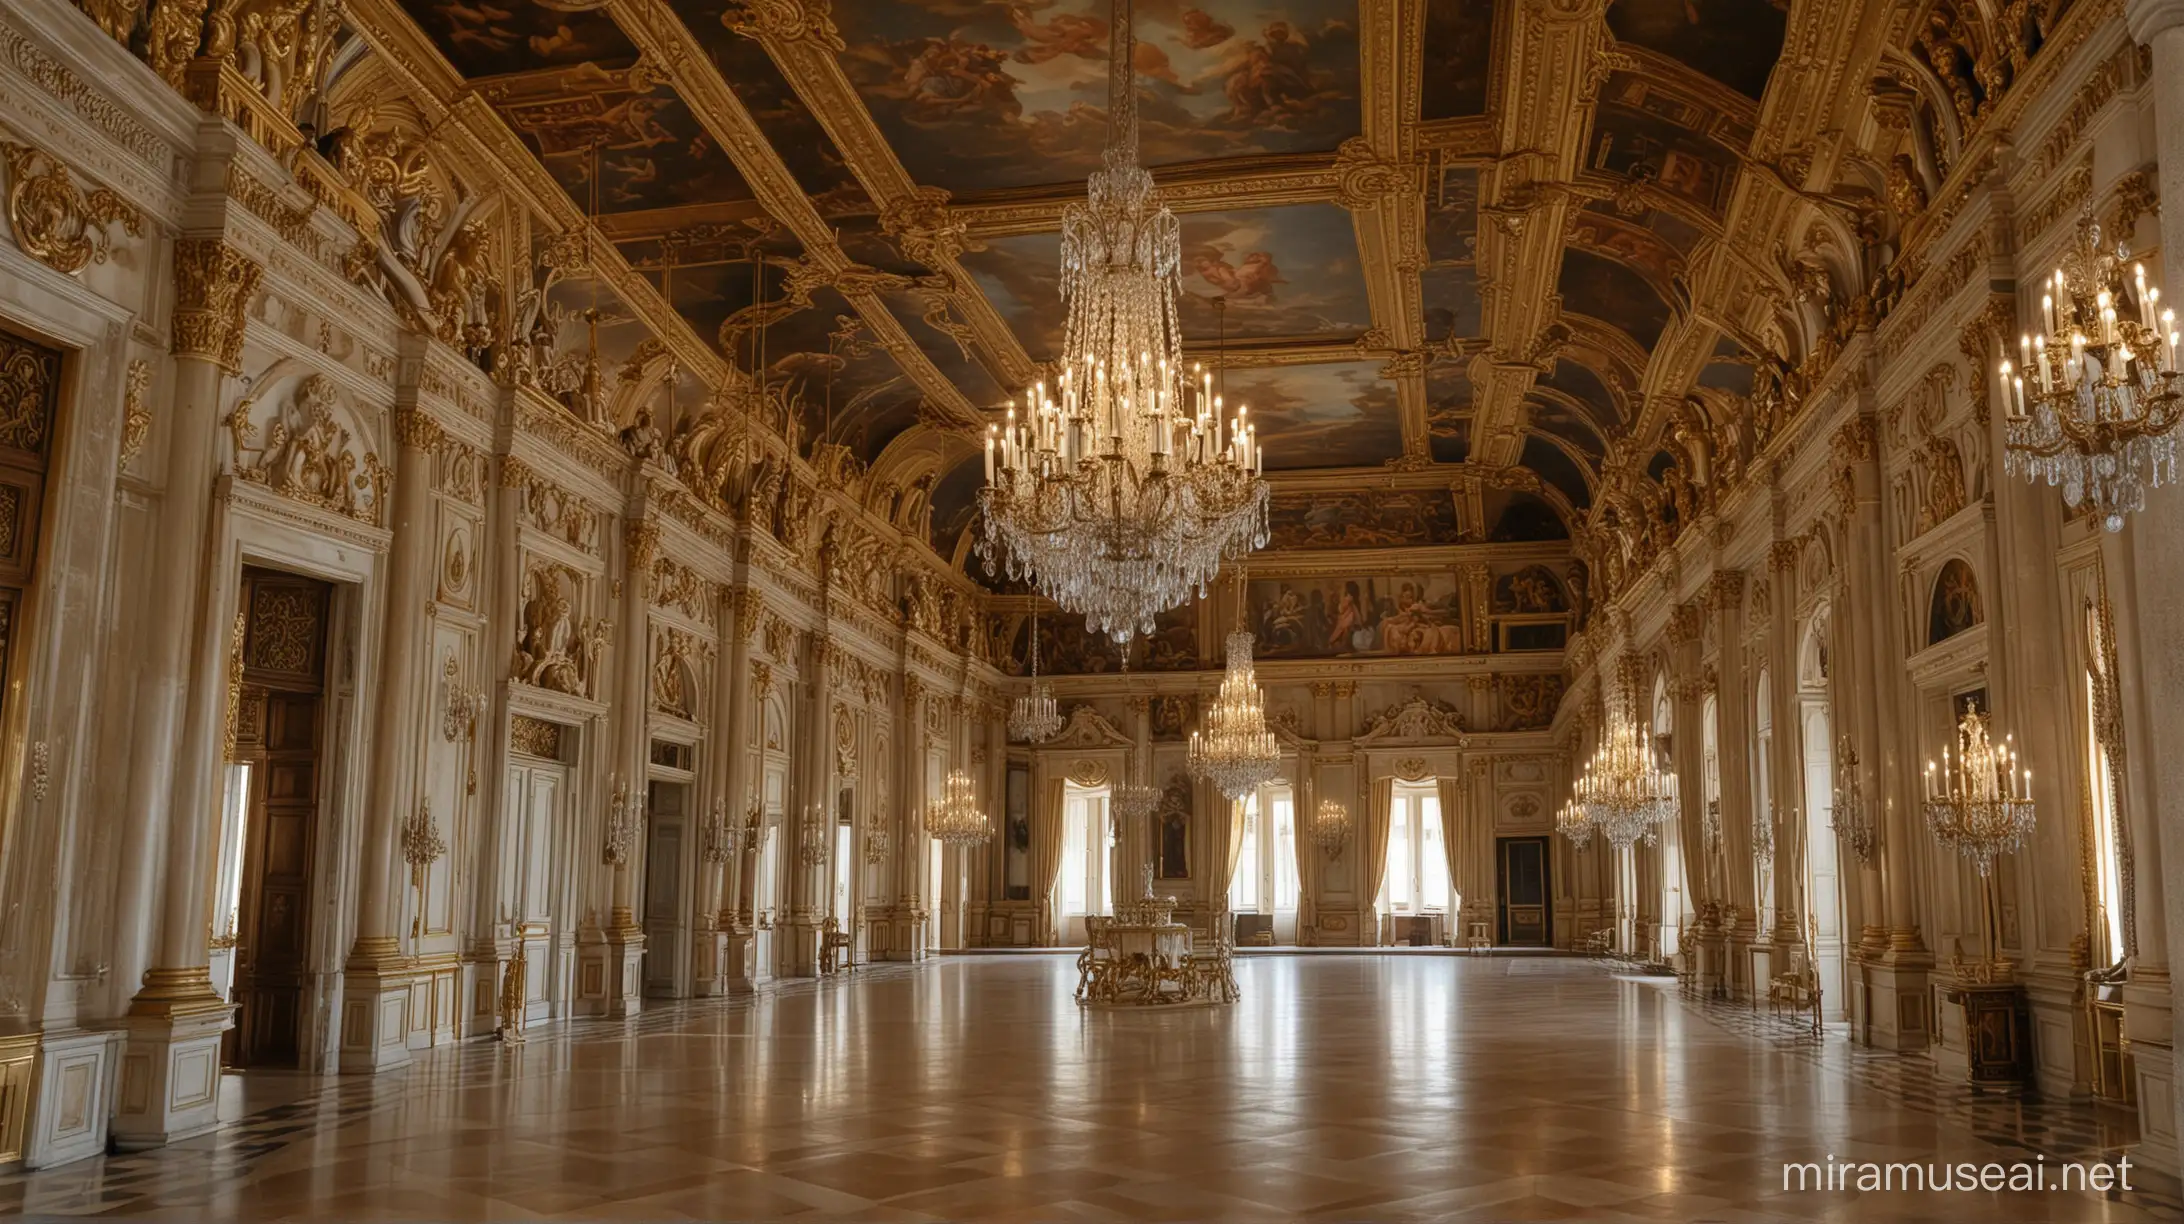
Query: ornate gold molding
x,y
177,30
136,417
55,222
213,283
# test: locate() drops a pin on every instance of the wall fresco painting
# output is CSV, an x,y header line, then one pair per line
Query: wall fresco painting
x,y
1067,648
1283,272
649,150
979,95
1337,415
1331,618
1452,217
1396,518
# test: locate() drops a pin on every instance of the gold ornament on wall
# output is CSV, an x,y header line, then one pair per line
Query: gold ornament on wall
x,y
136,418
55,221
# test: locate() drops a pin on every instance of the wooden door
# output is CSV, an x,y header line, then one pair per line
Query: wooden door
x,y
663,920
1526,918
281,698
30,389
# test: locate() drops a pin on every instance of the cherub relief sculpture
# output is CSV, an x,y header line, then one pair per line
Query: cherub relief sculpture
x,y
551,653
307,453
281,46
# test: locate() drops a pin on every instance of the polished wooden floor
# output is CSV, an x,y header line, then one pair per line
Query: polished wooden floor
x,y
973,1088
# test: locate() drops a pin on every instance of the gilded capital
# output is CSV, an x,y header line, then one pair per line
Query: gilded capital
x,y
212,286
416,430
643,538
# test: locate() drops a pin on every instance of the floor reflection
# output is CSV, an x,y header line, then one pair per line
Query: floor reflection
x,y
1341,1087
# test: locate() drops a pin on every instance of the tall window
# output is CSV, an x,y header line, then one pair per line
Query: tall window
x,y
1266,864
1417,881
1084,887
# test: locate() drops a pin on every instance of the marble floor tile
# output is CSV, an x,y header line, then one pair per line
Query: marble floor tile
x,y
1355,1088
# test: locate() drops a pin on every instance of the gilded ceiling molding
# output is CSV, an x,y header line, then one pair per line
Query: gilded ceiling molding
x,y
55,221
788,21
213,283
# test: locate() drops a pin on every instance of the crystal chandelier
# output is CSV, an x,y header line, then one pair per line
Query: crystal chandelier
x,y
1331,827
2101,410
955,817
1135,800
1623,792
1979,802
1571,822
1850,819
1236,751
1121,487
1035,717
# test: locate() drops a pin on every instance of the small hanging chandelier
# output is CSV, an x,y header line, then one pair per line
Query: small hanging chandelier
x,y
1035,717
1571,822
1235,751
1123,485
1331,827
1979,802
955,817
1850,818
2100,414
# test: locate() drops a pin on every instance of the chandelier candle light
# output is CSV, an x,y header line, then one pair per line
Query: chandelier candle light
x,y
1236,751
1331,827
1035,717
2093,404
1120,487
1979,802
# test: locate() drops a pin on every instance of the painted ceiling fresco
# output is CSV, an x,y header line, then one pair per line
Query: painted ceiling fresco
x,y
1459,58
1735,42
484,38
787,123
1354,343
1277,272
977,95
1340,414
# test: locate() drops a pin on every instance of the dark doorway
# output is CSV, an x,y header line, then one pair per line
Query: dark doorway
x,y
279,707
1527,919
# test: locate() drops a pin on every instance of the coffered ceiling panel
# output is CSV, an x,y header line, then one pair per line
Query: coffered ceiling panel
x,y
1735,42
1459,58
648,151
1340,414
788,125
496,37
1281,273
977,95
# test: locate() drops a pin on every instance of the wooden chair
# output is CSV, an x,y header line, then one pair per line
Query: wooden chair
x,y
1480,939
835,951
1601,943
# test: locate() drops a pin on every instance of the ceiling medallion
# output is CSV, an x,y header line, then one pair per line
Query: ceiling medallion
x,y
2101,412
1121,488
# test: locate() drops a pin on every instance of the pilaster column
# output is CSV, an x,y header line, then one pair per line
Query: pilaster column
x,y
2157,548
171,1075
1787,772
812,803
914,787
732,730
633,672
375,980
